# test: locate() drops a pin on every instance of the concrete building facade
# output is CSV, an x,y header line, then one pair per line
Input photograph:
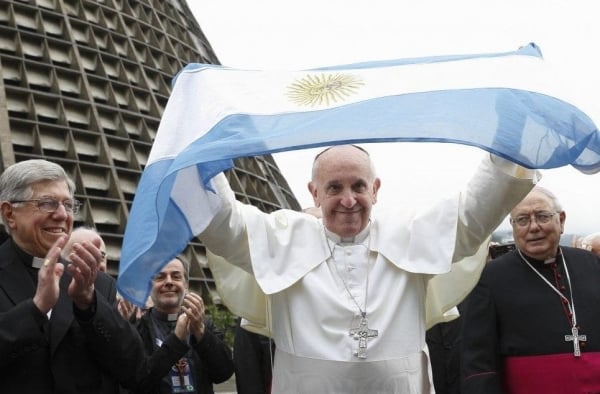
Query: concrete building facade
x,y
83,83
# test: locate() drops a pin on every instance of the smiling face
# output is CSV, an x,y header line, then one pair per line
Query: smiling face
x,y
34,230
538,240
169,287
344,186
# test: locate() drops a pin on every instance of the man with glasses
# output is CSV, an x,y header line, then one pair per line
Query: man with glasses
x,y
59,330
532,323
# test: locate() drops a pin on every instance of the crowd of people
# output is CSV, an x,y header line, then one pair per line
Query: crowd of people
x,y
371,306
60,328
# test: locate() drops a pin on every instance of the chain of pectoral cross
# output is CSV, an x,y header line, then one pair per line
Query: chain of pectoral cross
x,y
362,332
574,336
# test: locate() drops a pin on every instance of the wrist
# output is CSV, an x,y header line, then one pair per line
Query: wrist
x,y
84,310
85,301
41,305
199,332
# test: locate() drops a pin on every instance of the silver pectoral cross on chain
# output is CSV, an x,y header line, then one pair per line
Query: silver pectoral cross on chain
x,y
575,337
362,333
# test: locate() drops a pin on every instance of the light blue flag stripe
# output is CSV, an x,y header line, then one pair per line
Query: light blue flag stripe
x,y
174,199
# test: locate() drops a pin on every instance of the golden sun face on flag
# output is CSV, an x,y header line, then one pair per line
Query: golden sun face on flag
x,y
323,89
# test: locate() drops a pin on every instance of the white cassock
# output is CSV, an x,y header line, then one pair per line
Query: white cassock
x,y
309,288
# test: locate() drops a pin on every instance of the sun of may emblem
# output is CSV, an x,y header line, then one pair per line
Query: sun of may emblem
x,y
324,89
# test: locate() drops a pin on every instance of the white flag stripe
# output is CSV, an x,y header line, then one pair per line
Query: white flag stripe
x,y
210,94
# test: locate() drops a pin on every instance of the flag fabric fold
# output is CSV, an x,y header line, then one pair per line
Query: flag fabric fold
x,y
505,103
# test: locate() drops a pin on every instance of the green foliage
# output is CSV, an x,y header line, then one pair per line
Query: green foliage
x,y
224,321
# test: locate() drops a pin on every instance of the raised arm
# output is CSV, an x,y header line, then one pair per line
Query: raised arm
x,y
497,186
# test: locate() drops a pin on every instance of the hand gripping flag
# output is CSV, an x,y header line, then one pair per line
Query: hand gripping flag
x,y
505,103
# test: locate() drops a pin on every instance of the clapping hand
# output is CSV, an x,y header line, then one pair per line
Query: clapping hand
x,y
47,292
192,319
84,260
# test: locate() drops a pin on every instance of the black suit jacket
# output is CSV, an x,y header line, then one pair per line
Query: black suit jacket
x,y
212,358
38,355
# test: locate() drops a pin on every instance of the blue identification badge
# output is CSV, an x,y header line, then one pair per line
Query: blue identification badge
x,y
181,378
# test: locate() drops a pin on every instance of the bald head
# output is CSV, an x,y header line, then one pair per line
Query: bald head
x,y
88,234
352,152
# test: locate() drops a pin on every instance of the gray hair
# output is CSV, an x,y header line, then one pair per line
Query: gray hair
x,y
557,205
186,266
17,179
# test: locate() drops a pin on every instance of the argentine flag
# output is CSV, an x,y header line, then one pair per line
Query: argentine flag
x,y
505,103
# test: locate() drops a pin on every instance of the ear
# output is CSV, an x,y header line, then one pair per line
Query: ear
x,y
562,217
376,186
312,188
8,214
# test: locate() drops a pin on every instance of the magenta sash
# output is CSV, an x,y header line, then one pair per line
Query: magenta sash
x,y
556,374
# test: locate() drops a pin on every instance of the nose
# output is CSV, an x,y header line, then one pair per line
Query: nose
x,y
534,225
168,279
61,211
348,199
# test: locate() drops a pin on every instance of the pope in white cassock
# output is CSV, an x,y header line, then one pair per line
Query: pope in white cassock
x,y
349,296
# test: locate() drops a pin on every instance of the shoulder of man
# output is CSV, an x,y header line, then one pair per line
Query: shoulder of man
x,y
577,254
7,252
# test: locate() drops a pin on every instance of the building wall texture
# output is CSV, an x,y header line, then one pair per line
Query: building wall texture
x,y
84,83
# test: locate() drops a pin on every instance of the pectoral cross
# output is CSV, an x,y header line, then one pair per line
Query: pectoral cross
x,y
575,337
362,333
181,365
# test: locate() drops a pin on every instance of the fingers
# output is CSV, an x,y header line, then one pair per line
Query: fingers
x,y
193,308
87,253
83,267
125,308
193,305
85,258
181,328
193,298
53,255
47,291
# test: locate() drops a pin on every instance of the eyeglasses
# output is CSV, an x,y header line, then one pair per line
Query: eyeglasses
x,y
540,218
50,205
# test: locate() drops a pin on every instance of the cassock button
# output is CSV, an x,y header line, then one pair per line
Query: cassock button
x,y
562,287
564,301
558,276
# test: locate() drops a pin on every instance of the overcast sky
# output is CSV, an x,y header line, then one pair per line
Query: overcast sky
x,y
280,34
